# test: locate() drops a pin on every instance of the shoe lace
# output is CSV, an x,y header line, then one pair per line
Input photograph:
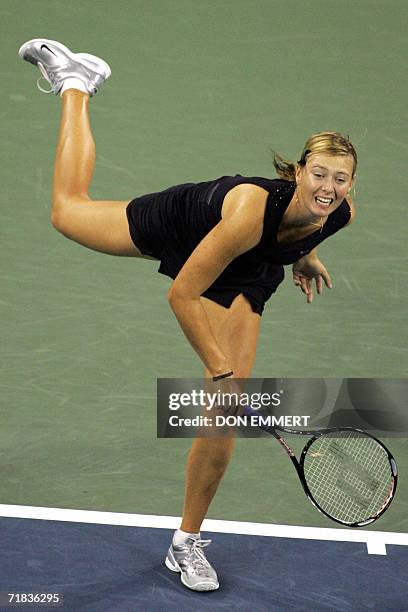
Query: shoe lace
x,y
47,91
196,557
44,77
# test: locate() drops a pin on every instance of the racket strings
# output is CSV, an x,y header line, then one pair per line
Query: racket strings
x,y
348,475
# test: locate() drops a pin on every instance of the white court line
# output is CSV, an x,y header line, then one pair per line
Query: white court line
x,y
375,540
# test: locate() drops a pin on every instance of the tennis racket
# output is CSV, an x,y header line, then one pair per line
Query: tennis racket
x,y
347,474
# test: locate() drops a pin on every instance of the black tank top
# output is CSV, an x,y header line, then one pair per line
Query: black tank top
x,y
193,209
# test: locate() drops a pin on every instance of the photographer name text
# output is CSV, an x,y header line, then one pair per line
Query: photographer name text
x,y
252,420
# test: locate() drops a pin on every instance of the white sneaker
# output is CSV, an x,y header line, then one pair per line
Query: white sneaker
x,y
189,559
57,63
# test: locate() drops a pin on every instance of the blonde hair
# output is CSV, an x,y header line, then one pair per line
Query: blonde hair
x,y
326,143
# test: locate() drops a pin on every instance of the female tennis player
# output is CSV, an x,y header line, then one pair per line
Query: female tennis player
x,y
224,242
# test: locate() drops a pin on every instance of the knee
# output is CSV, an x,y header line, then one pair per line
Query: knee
x,y
63,213
56,220
60,222
57,216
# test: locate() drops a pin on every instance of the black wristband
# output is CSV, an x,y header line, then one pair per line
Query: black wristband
x,y
215,378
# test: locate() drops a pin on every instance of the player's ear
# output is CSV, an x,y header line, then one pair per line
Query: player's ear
x,y
298,172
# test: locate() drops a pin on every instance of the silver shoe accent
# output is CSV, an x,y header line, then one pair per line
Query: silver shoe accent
x,y
189,559
57,63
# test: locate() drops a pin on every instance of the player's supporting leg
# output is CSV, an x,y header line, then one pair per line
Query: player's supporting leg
x,y
97,224
236,331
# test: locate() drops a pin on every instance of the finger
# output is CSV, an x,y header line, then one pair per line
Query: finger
x,y
319,284
299,282
327,279
308,290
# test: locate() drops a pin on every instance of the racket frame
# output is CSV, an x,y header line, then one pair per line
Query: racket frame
x,y
299,464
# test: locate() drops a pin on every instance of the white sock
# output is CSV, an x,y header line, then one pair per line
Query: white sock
x,y
181,536
73,83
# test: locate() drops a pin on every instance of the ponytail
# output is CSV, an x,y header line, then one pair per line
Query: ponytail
x,y
286,170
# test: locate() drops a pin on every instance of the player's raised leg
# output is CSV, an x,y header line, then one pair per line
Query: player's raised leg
x,y
97,224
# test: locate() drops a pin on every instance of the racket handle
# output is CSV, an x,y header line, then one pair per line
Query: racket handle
x,y
250,412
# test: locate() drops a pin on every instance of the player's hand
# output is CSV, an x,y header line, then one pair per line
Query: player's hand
x,y
232,389
305,271
227,393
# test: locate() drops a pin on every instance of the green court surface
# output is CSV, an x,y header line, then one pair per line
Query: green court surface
x,y
198,90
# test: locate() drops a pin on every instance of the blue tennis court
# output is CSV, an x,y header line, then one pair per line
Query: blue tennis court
x,y
102,567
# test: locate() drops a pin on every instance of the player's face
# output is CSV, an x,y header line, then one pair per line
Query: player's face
x,y
324,182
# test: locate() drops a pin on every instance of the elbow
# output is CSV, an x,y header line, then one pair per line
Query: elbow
x,y
170,296
178,294
173,296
